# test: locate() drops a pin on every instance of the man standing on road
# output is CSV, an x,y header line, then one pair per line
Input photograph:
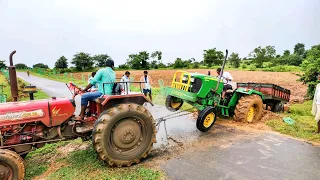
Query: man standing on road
x,y
147,85
316,105
104,75
227,78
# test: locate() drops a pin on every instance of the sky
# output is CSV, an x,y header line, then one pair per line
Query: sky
x,y
43,31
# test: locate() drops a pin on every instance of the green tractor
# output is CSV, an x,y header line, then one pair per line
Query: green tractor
x,y
204,93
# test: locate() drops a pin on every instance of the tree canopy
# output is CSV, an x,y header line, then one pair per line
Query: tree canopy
x,y
40,65
212,57
2,64
234,60
21,66
82,61
311,68
61,63
101,59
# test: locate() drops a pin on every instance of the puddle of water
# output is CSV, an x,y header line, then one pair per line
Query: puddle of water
x,y
180,129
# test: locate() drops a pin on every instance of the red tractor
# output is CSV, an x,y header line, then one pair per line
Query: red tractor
x,y
121,128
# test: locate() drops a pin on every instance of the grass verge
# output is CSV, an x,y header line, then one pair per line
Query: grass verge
x,y
67,160
305,125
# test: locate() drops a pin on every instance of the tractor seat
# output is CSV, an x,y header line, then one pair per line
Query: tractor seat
x,y
234,87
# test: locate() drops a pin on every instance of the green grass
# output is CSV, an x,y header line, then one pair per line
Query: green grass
x,y
305,125
37,161
79,164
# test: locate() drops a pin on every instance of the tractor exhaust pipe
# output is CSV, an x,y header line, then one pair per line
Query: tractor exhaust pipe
x,y
222,69
13,78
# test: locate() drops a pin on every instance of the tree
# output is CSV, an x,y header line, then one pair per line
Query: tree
x,y
40,65
82,61
299,49
261,55
286,52
212,57
292,59
234,60
61,63
178,63
2,65
139,61
100,59
154,64
157,54
311,68
21,66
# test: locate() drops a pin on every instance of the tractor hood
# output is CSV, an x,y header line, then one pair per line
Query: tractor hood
x,y
50,112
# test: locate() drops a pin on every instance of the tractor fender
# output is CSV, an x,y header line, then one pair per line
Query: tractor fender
x,y
108,101
242,91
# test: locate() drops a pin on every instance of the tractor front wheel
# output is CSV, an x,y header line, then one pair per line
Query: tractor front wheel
x,y
249,109
124,134
173,103
11,165
206,119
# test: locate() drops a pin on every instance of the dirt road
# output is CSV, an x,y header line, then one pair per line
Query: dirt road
x,y
221,153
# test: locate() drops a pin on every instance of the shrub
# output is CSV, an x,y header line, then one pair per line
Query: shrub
x,y
252,67
243,66
283,69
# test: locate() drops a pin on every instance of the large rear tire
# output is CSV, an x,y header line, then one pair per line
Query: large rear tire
x,y
249,109
278,107
206,119
173,103
124,134
11,165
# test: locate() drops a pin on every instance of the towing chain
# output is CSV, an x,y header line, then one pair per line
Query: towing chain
x,y
171,116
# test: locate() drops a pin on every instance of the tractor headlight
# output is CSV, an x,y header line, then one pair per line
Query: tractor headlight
x,y
184,78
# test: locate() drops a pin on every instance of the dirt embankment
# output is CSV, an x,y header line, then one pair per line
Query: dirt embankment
x,y
287,80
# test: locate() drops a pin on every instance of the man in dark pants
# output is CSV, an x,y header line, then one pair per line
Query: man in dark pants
x,y
147,85
226,78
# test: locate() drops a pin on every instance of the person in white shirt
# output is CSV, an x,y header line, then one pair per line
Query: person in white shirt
x,y
147,85
94,87
125,87
316,105
227,78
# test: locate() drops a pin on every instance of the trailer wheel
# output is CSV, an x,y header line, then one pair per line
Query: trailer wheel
x,y
173,103
11,165
124,134
278,107
206,119
249,109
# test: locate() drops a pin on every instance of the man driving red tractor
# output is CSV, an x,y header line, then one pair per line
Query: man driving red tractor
x,y
104,75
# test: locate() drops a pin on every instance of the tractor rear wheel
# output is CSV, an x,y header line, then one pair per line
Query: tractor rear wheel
x,y
124,134
206,119
249,109
278,107
11,165
173,103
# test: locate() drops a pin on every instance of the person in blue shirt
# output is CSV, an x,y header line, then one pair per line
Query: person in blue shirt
x,y
104,75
